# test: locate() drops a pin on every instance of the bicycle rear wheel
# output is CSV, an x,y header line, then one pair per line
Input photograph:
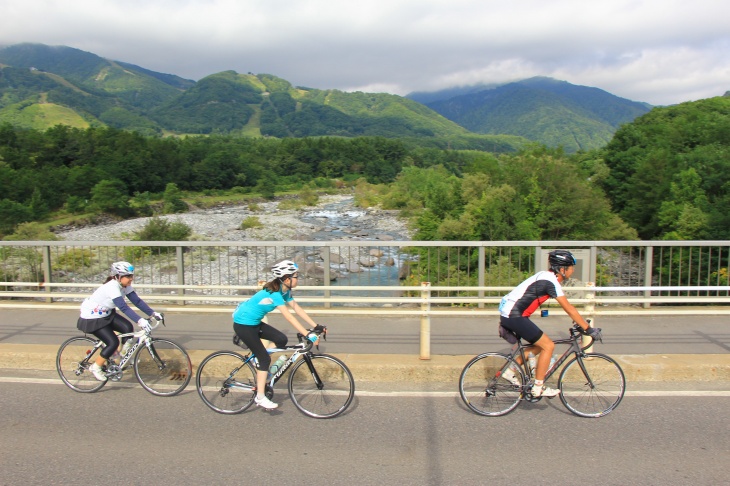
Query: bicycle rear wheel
x,y
72,363
484,390
226,383
164,368
597,391
321,386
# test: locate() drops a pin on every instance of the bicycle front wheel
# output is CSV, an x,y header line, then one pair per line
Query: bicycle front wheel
x,y
595,391
72,363
226,383
484,390
321,386
163,368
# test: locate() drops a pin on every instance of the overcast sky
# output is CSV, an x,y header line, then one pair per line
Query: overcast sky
x,y
657,51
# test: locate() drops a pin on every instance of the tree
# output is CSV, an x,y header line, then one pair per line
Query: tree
x,y
110,196
172,199
12,214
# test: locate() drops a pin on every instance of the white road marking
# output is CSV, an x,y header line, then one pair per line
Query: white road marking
x,y
417,394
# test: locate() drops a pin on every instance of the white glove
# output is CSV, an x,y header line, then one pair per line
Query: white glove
x,y
144,324
157,316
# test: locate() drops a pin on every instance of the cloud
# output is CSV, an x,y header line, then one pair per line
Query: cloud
x,y
658,51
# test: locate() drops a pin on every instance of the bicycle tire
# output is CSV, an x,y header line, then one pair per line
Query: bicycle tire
x,y
216,385
167,372
486,393
72,363
609,385
328,398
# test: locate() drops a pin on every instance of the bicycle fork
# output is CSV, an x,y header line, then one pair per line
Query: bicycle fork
x,y
313,372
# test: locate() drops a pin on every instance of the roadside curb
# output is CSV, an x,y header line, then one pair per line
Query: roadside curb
x,y
439,369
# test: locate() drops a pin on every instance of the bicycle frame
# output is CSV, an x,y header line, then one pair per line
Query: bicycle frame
x,y
273,379
141,337
573,349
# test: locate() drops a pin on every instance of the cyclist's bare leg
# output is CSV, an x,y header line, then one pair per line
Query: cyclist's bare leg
x,y
543,359
528,349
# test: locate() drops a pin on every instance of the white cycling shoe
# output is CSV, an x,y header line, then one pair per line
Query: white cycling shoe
x,y
97,372
543,391
264,402
509,375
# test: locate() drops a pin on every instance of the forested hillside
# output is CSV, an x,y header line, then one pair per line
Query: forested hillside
x,y
664,176
118,172
42,86
669,171
554,113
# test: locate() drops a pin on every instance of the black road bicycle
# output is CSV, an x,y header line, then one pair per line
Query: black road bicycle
x,y
591,384
161,366
320,385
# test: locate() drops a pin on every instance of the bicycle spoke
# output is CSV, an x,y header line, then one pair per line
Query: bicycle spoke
x,y
484,390
225,383
163,369
321,388
72,363
597,395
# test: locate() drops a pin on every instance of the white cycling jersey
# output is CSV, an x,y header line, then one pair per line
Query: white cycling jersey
x,y
101,302
527,296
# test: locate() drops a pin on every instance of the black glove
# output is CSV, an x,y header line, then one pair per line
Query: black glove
x,y
595,333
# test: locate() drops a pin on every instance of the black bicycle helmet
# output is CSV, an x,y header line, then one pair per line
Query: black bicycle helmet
x,y
560,259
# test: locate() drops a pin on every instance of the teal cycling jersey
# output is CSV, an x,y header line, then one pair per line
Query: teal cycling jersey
x,y
251,311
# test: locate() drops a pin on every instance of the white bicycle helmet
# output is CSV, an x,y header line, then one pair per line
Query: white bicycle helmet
x,y
285,268
120,269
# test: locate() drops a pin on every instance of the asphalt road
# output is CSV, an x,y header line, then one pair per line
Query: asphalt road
x,y
51,435
384,335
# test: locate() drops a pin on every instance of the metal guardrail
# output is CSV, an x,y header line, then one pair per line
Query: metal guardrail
x,y
632,277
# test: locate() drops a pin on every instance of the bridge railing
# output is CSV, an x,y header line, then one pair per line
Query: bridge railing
x,y
366,277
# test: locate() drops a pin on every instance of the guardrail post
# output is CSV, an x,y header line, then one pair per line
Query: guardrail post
x,y
590,308
180,261
426,320
647,273
47,276
327,275
482,266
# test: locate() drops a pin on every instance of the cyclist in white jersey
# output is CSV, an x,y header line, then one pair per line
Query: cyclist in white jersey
x,y
517,306
99,314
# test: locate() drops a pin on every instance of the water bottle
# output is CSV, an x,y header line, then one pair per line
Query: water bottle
x,y
532,361
277,364
553,359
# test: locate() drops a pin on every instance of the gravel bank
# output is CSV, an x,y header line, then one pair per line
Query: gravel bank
x,y
222,224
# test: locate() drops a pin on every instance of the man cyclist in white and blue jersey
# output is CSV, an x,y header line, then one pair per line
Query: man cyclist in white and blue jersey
x,y
517,306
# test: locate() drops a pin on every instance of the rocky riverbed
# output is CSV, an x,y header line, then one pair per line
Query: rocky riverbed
x,y
335,217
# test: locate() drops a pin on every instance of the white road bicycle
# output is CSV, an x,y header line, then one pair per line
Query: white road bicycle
x,y
161,366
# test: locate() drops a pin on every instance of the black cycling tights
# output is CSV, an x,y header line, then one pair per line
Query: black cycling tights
x,y
252,336
106,334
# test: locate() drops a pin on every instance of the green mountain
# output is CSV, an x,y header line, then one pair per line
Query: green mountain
x,y
42,86
555,113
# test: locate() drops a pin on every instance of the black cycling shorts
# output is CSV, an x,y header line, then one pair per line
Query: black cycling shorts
x,y
523,326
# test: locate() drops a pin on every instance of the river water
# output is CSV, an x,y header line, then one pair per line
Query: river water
x,y
342,221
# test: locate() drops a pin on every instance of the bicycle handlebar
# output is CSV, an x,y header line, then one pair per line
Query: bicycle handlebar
x,y
319,331
154,323
576,329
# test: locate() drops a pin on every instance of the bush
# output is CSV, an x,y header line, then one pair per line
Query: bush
x,y
32,232
74,258
158,229
251,222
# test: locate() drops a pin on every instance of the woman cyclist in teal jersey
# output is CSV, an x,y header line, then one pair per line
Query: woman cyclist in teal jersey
x,y
248,325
